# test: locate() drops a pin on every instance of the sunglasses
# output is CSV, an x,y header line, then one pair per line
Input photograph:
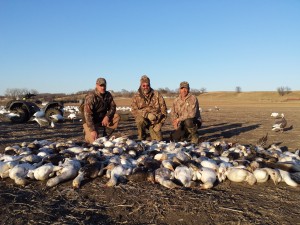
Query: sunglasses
x,y
145,85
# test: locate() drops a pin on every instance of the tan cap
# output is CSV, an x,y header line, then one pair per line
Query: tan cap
x,y
145,79
184,84
101,81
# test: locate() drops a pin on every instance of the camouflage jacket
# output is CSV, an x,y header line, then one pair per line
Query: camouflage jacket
x,y
185,108
96,107
154,103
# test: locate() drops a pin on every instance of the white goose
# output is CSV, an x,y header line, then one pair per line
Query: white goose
x,y
69,171
208,177
116,172
263,174
19,173
43,172
184,175
286,177
6,166
163,176
240,175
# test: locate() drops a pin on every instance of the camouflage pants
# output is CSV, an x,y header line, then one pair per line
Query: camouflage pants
x,y
144,124
187,130
101,131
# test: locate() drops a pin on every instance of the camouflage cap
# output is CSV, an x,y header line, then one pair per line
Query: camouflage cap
x,y
145,79
184,84
101,81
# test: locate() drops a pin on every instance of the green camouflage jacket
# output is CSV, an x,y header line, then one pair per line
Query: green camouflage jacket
x,y
153,103
187,108
96,107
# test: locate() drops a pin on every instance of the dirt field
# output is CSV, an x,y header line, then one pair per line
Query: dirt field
x,y
145,203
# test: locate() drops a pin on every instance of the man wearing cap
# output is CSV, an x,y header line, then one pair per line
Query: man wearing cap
x,y
99,112
185,115
149,110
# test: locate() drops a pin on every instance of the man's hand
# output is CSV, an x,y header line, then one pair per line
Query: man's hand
x,y
175,123
94,135
105,121
151,117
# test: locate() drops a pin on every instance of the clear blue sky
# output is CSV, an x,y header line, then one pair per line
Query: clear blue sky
x,y
63,46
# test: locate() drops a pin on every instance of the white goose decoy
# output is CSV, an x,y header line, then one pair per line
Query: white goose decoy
x,y
240,175
280,124
72,116
39,114
69,171
42,121
57,118
275,115
12,114
263,174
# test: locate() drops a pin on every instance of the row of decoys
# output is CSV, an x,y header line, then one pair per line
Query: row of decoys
x,y
171,164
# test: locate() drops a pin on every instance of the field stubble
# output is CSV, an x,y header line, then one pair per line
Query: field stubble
x,y
143,203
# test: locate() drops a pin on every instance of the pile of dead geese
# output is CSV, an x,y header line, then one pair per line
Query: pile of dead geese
x,y
170,164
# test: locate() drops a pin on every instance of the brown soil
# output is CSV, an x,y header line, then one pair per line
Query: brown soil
x,y
145,203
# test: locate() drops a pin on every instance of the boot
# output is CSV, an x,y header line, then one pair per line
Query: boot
x,y
155,135
191,128
141,127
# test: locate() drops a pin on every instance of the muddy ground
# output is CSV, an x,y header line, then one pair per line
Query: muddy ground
x,y
146,203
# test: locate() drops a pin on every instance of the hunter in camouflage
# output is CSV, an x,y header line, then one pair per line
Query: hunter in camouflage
x,y
149,110
99,112
185,115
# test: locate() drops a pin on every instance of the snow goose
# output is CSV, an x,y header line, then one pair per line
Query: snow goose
x,y
263,174
69,171
19,172
263,140
184,175
6,166
163,176
208,177
91,170
43,172
116,173
240,175
290,179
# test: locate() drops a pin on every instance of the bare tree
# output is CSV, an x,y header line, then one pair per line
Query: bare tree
x,y
203,90
238,89
283,90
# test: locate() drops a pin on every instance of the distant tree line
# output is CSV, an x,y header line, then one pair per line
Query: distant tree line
x,y
164,91
18,93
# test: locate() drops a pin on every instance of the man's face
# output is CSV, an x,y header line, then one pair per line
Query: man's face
x,y
183,92
145,88
101,88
